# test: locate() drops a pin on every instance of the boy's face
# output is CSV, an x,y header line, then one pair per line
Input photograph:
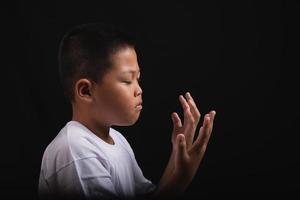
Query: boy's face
x,y
117,98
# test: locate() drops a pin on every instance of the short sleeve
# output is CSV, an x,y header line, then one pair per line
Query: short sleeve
x,y
86,178
96,181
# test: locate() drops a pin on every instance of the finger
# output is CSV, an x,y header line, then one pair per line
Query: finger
x,y
189,122
193,107
181,153
212,119
204,135
176,127
176,121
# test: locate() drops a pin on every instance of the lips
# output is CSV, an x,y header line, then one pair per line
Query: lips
x,y
139,105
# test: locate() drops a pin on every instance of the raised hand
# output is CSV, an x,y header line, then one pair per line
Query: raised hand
x,y
189,152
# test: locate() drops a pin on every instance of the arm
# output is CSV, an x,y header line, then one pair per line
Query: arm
x,y
186,153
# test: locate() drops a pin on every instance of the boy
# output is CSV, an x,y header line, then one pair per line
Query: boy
x,y
89,159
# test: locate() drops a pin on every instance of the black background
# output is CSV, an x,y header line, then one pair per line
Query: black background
x,y
239,58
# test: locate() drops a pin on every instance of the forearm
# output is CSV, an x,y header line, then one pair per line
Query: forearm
x,y
167,173
171,184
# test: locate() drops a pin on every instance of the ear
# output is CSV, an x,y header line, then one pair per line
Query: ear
x,y
83,89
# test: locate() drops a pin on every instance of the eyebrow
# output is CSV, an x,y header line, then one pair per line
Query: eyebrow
x,y
131,71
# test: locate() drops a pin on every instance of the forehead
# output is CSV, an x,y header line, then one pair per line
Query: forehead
x,y
125,61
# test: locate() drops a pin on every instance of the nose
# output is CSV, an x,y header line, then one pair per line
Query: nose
x,y
138,90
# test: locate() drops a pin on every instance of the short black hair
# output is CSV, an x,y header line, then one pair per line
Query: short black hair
x,y
85,52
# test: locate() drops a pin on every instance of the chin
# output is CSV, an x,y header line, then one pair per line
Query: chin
x,y
128,122
124,124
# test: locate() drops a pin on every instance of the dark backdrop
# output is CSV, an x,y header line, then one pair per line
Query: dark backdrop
x,y
239,58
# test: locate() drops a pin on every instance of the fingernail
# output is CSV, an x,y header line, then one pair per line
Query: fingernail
x,y
181,139
188,95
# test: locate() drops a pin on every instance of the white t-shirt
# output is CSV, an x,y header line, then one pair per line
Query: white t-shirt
x,y
77,163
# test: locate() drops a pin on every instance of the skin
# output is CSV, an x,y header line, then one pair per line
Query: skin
x,y
116,101
186,155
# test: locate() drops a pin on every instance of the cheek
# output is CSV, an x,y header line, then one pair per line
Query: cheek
x,y
121,112
123,109
117,105
119,99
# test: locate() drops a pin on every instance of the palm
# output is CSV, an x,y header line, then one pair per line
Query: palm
x,y
188,152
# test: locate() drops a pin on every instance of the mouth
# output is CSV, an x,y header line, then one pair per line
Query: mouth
x,y
139,106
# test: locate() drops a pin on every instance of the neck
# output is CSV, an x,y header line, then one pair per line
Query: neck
x,y
100,130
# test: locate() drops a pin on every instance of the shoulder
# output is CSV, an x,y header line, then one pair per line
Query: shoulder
x,y
72,143
81,141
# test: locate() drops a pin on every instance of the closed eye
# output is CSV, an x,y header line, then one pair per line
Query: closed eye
x,y
127,82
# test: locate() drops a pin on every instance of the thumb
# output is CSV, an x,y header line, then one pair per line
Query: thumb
x,y
176,121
